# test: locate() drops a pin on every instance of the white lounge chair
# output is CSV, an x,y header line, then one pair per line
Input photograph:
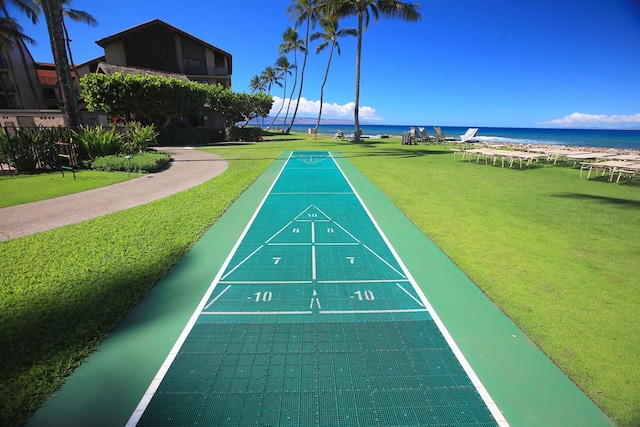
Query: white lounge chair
x,y
467,138
469,135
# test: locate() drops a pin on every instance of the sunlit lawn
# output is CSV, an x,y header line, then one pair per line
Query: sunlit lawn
x,y
20,189
557,254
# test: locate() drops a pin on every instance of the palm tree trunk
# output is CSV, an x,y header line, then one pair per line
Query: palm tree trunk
x,y
72,67
326,75
284,94
53,14
357,102
304,65
293,89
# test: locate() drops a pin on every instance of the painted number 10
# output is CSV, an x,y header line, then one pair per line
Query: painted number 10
x,y
366,295
263,296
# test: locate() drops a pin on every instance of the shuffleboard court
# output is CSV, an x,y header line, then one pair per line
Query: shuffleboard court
x,y
314,320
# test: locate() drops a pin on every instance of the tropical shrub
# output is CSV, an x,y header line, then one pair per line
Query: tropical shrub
x,y
177,136
28,150
96,141
143,96
138,137
146,162
249,134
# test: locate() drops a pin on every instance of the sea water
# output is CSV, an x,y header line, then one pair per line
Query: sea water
x,y
609,138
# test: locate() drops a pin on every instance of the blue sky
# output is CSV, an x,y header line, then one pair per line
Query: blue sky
x,y
543,63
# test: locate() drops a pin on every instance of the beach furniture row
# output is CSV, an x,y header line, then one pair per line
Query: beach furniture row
x,y
615,164
420,134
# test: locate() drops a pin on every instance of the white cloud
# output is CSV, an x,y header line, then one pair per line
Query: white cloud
x,y
308,107
582,119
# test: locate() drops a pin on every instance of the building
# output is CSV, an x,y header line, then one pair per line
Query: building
x,y
156,45
148,48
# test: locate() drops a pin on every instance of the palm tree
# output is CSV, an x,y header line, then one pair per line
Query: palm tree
x,y
283,67
53,14
271,76
31,10
10,35
302,11
257,84
363,10
75,16
329,38
291,44
11,31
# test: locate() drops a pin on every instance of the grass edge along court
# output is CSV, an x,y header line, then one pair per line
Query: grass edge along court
x,y
527,387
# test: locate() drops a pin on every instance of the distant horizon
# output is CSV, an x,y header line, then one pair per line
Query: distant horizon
x,y
302,121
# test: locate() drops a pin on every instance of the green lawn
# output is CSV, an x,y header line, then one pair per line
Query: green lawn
x,y
20,189
557,254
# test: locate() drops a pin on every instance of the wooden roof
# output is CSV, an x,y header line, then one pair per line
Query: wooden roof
x,y
117,36
111,69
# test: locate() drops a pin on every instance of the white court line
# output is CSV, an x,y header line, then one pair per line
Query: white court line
x,y
321,193
313,262
242,262
381,311
279,231
216,298
267,282
271,313
411,296
383,260
347,282
343,229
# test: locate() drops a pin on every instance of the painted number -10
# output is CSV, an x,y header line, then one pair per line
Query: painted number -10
x,y
263,296
366,295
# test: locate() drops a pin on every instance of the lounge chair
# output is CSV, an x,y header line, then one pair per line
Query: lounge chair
x,y
415,135
467,138
608,166
629,171
424,136
406,138
469,135
439,135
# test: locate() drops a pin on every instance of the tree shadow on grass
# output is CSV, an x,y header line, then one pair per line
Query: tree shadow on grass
x,y
625,203
396,152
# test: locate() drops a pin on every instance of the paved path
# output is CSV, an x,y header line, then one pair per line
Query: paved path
x,y
189,168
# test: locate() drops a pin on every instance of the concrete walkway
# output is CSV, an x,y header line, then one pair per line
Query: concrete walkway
x,y
188,168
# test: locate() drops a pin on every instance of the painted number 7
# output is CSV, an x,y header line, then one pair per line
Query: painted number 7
x,y
352,259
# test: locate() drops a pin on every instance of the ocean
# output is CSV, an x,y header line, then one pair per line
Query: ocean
x,y
602,138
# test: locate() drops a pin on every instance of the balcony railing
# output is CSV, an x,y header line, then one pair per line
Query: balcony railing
x,y
200,69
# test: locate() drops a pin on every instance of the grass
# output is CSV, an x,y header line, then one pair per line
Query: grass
x,y
18,189
558,254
